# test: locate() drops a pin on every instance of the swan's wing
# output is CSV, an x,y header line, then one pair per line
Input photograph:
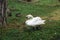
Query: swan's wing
x,y
35,21
30,23
37,18
39,22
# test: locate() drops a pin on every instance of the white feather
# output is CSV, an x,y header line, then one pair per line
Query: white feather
x,y
34,21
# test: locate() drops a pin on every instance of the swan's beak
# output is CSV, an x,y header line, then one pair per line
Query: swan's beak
x,y
26,17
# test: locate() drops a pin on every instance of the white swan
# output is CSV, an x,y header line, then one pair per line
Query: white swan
x,y
34,21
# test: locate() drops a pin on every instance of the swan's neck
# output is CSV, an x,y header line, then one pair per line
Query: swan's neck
x,y
30,17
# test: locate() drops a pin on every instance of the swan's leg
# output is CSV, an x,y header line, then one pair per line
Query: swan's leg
x,y
38,27
35,28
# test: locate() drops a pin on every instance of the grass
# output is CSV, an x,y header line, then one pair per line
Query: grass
x,y
46,9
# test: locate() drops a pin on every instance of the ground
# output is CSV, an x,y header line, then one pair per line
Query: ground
x,y
46,9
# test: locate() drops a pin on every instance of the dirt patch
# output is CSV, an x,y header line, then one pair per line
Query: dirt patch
x,y
44,17
55,15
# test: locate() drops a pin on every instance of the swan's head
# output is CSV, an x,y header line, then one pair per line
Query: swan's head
x,y
29,16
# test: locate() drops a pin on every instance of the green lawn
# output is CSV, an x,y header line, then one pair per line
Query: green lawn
x,y
46,9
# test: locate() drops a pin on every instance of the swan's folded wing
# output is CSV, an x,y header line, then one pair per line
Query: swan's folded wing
x,y
39,22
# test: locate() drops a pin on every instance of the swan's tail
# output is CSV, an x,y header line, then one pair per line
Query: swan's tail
x,y
43,21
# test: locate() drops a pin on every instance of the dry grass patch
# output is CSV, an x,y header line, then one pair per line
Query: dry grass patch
x,y
44,17
55,15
